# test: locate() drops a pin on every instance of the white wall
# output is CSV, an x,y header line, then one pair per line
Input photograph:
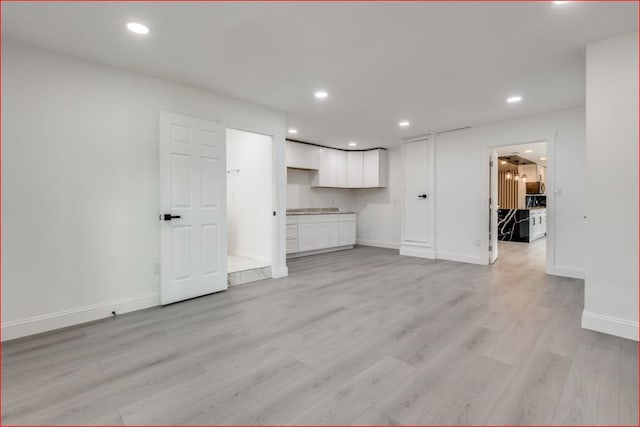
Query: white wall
x,y
249,195
80,184
611,285
462,187
378,209
300,194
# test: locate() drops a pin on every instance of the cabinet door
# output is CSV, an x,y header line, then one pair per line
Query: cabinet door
x,y
322,235
343,169
532,227
306,237
302,156
327,175
335,234
355,159
542,174
332,168
292,246
347,233
292,231
371,168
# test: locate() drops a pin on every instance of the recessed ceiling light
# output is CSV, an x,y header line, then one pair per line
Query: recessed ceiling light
x,y
560,2
321,94
353,144
528,151
543,158
514,99
138,28
293,131
403,123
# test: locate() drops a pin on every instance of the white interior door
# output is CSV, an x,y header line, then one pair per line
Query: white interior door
x,y
417,200
493,207
193,210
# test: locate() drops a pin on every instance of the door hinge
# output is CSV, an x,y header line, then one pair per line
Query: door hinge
x,y
491,163
490,248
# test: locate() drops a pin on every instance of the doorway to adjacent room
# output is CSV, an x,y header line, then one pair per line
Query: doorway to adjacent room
x,y
249,206
518,215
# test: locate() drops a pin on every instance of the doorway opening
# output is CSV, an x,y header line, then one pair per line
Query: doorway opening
x,y
250,222
518,203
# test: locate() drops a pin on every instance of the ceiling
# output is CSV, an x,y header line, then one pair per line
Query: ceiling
x,y
439,65
532,151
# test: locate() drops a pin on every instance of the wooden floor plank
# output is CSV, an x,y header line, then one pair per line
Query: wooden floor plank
x,y
363,336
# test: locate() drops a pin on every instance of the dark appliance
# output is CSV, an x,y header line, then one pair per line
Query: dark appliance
x,y
535,188
536,201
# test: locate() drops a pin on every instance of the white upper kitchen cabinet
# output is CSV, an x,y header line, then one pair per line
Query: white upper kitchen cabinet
x,y
302,156
542,174
327,175
355,160
343,169
375,168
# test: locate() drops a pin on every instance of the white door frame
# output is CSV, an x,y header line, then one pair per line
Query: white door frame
x,y
279,185
274,199
551,198
493,207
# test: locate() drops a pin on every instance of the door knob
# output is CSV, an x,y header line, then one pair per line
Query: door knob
x,y
169,217
422,196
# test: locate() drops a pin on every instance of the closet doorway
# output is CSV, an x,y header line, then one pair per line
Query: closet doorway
x,y
249,206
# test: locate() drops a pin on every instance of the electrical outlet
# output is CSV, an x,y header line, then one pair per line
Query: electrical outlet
x,y
477,242
156,268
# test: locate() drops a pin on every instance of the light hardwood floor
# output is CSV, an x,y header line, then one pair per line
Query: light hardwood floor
x,y
354,337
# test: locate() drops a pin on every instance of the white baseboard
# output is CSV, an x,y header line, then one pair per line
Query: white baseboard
x,y
319,251
566,272
450,256
378,244
62,319
417,251
277,272
610,325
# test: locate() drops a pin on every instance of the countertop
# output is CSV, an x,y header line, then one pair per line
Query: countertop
x,y
316,211
535,208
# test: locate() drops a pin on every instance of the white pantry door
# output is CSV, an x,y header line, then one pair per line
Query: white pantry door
x,y
193,211
417,202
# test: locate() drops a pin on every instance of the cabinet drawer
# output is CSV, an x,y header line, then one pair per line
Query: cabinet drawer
x,y
292,219
312,219
292,231
347,217
292,246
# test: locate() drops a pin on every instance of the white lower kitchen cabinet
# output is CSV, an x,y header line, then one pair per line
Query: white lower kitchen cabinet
x,y
537,224
320,233
306,237
347,234
292,246
292,234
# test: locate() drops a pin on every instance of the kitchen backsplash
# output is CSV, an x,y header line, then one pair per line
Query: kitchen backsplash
x,y
300,194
